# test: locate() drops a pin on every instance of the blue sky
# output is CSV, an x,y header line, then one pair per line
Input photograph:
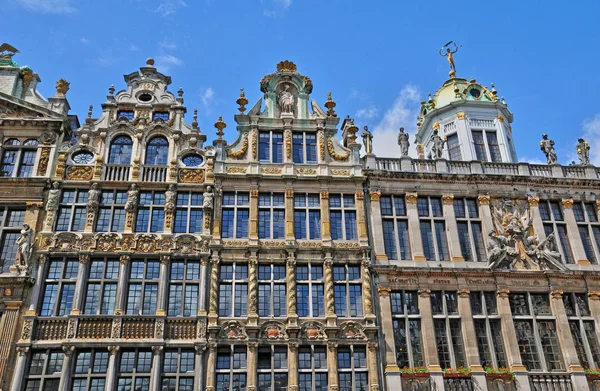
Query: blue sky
x,y
378,58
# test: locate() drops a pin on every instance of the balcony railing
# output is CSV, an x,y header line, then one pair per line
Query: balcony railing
x,y
574,172
458,384
500,168
154,173
550,383
540,170
116,172
420,165
94,328
51,329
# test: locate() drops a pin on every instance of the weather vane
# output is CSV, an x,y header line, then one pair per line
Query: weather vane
x,y
449,52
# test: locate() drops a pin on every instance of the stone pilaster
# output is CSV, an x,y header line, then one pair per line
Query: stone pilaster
x,y
8,327
200,370
211,366
377,225
111,372
329,294
161,306
120,299
289,214
69,351
485,214
414,229
469,337
575,241
84,260
203,286
359,200
253,288
292,308
332,366
251,366
451,228
594,304
213,313
367,291
325,221
19,373
253,230
536,218
391,371
39,280
372,364
156,367
429,347
293,366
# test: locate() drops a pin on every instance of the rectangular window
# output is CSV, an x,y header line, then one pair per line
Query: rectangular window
x,y
470,233
236,214
21,156
395,227
111,213
488,329
342,213
178,370
552,215
272,291
72,210
134,368
271,216
44,370
102,284
270,146
231,368
433,229
272,368
160,115
588,228
188,213
11,224
151,212
143,287
493,147
347,291
184,288
312,368
129,114
582,326
307,216
454,147
406,320
233,290
304,147
352,368
447,326
89,372
310,288
479,145
59,287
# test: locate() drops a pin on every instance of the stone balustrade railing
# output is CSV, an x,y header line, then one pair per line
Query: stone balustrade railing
x,y
443,166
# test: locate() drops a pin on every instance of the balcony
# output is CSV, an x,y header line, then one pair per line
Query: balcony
x,y
550,383
154,173
116,172
51,329
458,384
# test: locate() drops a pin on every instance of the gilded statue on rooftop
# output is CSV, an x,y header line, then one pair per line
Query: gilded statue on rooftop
x,y
449,54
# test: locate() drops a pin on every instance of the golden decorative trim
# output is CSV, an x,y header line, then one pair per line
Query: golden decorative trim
x,y
334,155
500,118
324,195
360,195
392,368
236,170
381,257
310,244
286,66
346,245
594,295
424,292
306,171
568,203
240,152
288,144
254,193
598,204
503,293
518,368
190,175
374,195
272,243
271,170
583,262
289,193
420,258
458,259
44,159
484,199
254,143
533,201
463,293
80,173
460,115
436,125
235,243
384,291
340,172
556,293
411,198
448,199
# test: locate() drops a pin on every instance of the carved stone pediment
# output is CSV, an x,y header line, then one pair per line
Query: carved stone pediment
x,y
233,330
274,330
351,330
314,330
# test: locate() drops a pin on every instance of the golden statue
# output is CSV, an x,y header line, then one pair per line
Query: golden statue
x,y
449,54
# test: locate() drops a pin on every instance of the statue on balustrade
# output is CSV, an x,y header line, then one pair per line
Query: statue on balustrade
x,y
367,140
547,146
438,145
583,151
403,142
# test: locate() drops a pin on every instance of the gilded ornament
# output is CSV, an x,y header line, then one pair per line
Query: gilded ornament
x,y
411,198
62,86
80,173
191,175
254,133
288,144
240,152
236,170
503,293
464,293
424,292
448,199
375,195
484,199
306,171
594,295
436,125
500,118
286,67
242,101
324,195
567,203
334,155
330,104
339,172
360,195
289,193
43,163
557,294
321,138
271,170
384,291
533,201
460,115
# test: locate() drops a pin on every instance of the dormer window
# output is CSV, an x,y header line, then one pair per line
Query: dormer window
x,y
160,115
126,113
18,160
157,152
270,146
304,147
485,141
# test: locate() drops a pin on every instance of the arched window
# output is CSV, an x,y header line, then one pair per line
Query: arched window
x,y
120,150
18,160
157,152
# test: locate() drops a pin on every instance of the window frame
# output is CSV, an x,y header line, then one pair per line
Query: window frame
x,y
308,208
76,211
155,208
591,225
9,234
44,376
488,317
238,308
449,319
345,215
24,154
313,371
102,281
90,374
235,208
432,219
195,204
273,371
272,222
231,371
396,218
134,375
270,145
63,280
311,283
347,283
185,283
274,298
581,319
406,317
354,369
477,251
178,375
115,208
144,282
554,222
303,147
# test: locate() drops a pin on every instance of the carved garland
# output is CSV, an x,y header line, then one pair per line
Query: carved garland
x,y
80,173
333,153
242,151
321,144
254,143
189,175
288,144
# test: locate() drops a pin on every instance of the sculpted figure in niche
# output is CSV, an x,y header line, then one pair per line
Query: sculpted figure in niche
x,y
367,140
583,151
53,197
133,197
547,146
438,145
286,100
208,198
93,198
170,198
24,247
403,142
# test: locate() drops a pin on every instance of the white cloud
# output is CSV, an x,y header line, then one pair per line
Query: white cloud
x,y
591,132
167,44
168,7
84,40
48,6
165,62
207,98
367,113
402,113
273,8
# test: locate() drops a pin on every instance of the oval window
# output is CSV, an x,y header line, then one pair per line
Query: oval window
x,y
192,160
145,97
83,157
475,93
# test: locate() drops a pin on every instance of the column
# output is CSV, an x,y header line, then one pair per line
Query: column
x,y
251,366
39,280
414,229
567,344
199,367
120,299
291,289
428,333
332,367
574,238
377,225
211,366
63,385
538,225
361,217
485,213
511,345
253,231
84,260
325,222
469,337
594,304
8,326
329,294
163,285
293,366
451,228
213,313
203,286
289,214
19,373
391,371
156,368
253,288
111,372
367,290
372,364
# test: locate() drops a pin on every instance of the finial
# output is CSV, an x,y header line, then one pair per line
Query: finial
x,y
503,101
88,120
111,90
472,81
62,86
330,104
195,121
494,89
180,95
242,101
220,125
150,62
429,99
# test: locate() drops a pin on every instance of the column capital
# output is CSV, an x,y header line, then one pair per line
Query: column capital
x,y
332,346
464,293
374,195
411,198
114,349
557,294
384,291
68,349
567,203
484,199
598,204
84,259
460,115
125,259
594,295
165,259
254,193
324,194
289,193
252,346
22,350
424,292
360,195
372,346
448,199
43,258
533,201
503,293
157,349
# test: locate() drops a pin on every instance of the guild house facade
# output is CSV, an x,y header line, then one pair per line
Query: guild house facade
x,y
291,258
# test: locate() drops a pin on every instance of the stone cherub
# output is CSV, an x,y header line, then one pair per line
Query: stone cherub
x,y
583,151
438,145
547,146
403,142
367,140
